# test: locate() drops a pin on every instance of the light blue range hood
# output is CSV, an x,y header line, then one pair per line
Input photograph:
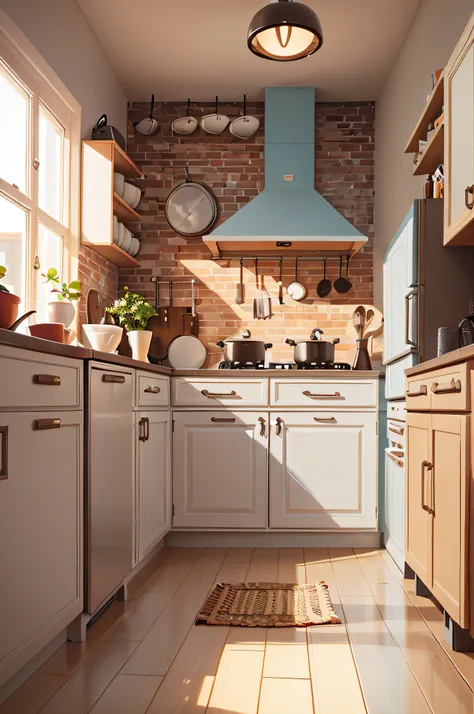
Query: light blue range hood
x,y
289,217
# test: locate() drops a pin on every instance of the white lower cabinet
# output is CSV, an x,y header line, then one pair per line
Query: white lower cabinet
x,y
153,479
41,507
220,469
323,469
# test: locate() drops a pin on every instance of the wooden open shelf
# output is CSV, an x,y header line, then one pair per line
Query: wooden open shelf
x,y
123,164
114,254
433,154
429,114
124,212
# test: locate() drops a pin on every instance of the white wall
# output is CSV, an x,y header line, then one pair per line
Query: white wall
x,y
433,35
62,35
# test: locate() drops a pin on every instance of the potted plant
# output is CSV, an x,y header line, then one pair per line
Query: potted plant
x,y
60,305
8,303
133,313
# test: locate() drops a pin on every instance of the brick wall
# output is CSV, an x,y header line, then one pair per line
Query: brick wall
x,y
95,272
234,170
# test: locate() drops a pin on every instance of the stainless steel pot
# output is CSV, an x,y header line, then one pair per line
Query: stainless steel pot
x,y
313,351
237,349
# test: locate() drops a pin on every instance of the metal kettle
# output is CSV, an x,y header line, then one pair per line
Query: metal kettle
x,y
466,331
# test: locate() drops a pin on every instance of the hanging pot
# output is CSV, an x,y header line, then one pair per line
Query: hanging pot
x,y
148,126
184,125
245,126
313,351
215,123
191,208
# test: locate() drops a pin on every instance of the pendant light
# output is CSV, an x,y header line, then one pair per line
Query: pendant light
x,y
285,31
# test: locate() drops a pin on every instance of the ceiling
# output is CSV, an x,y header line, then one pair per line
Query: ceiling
x,y
197,48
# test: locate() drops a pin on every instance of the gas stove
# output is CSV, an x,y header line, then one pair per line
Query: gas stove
x,y
285,366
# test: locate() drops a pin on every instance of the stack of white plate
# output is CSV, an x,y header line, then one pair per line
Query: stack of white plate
x,y
125,238
127,190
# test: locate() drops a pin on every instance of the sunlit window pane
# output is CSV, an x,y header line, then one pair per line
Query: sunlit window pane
x,y
14,105
13,228
50,175
50,252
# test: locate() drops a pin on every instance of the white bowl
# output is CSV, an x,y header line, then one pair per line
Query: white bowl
x,y
119,184
134,246
131,194
127,241
103,338
137,198
121,234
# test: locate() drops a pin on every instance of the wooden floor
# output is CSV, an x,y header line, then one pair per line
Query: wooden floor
x,y
145,656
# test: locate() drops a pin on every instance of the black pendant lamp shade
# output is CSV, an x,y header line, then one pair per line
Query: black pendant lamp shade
x,y
285,31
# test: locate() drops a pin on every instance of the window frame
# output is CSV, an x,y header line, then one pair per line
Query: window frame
x,y
28,68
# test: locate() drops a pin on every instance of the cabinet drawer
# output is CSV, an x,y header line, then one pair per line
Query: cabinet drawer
x,y
219,392
322,393
151,390
446,390
397,410
33,380
396,432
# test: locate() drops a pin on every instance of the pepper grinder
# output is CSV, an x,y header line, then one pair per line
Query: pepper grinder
x,y
362,357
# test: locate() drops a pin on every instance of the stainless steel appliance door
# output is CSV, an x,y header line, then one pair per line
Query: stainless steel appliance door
x,y
109,512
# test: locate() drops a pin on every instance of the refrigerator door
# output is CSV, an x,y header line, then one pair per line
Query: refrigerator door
x,y
395,376
401,290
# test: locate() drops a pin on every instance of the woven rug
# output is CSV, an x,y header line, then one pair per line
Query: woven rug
x,y
268,605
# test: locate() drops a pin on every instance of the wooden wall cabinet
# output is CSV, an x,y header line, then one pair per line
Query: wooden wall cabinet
x,y
459,144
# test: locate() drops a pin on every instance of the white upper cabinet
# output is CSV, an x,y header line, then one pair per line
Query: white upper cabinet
x,y
459,144
323,468
220,469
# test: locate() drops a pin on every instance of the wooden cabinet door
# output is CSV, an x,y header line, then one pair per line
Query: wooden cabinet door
x,y
418,515
41,512
153,479
448,502
323,470
220,469
459,142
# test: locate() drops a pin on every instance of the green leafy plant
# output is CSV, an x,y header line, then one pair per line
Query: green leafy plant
x,y
132,311
63,290
3,272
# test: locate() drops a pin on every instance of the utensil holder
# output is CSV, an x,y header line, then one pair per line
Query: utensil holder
x,y
448,339
362,357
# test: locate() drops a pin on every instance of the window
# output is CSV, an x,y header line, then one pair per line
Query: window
x,y
39,171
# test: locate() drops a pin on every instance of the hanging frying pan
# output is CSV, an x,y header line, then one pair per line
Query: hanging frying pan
x,y
295,289
343,285
184,125
148,126
215,123
245,126
191,208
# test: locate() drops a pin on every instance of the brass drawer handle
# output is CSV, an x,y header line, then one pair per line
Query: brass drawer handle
x,y
144,425
393,458
223,420
428,466
218,395
52,380
152,390
279,422
469,201
4,453
422,392
117,378
262,426
42,424
325,420
394,430
453,386
336,395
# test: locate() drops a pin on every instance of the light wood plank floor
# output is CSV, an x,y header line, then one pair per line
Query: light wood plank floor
x,y
147,657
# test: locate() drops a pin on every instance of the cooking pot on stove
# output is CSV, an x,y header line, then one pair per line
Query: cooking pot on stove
x,y
314,350
242,349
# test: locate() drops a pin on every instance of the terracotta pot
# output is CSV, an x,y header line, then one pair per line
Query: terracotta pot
x,y
54,331
140,343
8,309
61,311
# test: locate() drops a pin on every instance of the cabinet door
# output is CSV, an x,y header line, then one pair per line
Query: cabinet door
x,y
40,532
459,117
153,474
418,479
395,500
323,470
448,501
220,469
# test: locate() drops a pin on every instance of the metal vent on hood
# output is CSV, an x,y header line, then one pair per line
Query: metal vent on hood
x,y
289,217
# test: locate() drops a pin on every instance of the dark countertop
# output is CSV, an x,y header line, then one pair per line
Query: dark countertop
x,y
284,373
463,354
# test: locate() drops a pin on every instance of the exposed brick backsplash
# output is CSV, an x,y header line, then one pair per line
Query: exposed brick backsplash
x,y
95,272
234,170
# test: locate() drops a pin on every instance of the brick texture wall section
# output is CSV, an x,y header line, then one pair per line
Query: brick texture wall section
x,y
234,170
95,272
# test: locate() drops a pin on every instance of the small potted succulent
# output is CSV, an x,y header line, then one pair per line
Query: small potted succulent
x,y
8,303
133,313
60,305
